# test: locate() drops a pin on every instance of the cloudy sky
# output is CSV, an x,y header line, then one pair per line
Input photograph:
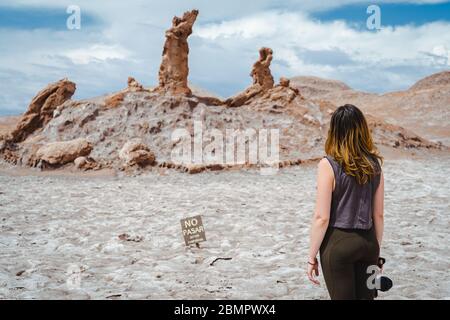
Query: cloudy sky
x,y
118,38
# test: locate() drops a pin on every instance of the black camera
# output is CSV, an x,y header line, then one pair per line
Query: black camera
x,y
385,283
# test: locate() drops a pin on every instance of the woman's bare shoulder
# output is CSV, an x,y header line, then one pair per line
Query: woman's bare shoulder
x,y
325,166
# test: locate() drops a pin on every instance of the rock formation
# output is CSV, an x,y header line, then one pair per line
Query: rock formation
x,y
86,163
136,153
114,100
285,82
174,69
40,110
133,85
283,93
62,152
263,90
262,79
261,69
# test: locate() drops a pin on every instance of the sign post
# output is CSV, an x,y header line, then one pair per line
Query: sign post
x,y
193,230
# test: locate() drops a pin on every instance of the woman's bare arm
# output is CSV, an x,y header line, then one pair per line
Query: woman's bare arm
x,y
319,224
378,210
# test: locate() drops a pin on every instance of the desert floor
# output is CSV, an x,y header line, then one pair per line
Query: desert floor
x,y
59,234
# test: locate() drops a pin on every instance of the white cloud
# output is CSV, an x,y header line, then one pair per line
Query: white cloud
x,y
304,46
442,52
97,53
296,30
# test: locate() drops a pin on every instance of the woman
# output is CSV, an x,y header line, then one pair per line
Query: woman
x,y
347,226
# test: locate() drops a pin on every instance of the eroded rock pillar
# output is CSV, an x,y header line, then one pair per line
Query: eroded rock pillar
x,y
174,69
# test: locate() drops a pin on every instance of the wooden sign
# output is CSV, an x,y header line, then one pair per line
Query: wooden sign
x,y
193,230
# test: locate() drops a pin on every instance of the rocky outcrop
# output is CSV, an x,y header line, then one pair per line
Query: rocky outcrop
x,y
63,152
40,111
113,101
174,69
285,82
283,93
116,99
86,163
262,79
136,153
261,69
242,98
262,91
134,86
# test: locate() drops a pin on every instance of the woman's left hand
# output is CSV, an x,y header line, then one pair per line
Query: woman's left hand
x,y
313,272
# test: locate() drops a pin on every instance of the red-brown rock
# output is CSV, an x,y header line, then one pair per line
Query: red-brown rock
x,y
62,152
41,108
261,69
136,153
262,80
133,85
174,70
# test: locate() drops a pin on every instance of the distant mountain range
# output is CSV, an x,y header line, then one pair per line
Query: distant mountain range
x,y
424,108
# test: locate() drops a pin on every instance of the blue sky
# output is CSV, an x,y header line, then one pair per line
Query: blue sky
x,y
29,18
118,39
393,14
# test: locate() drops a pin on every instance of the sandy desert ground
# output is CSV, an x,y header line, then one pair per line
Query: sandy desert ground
x,y
59,234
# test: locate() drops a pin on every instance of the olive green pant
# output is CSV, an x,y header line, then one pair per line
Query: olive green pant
x,y
345,255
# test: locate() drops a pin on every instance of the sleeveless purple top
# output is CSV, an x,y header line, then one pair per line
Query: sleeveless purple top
x,y
351,202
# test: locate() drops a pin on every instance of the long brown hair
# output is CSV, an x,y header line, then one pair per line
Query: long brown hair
x,y
350,143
